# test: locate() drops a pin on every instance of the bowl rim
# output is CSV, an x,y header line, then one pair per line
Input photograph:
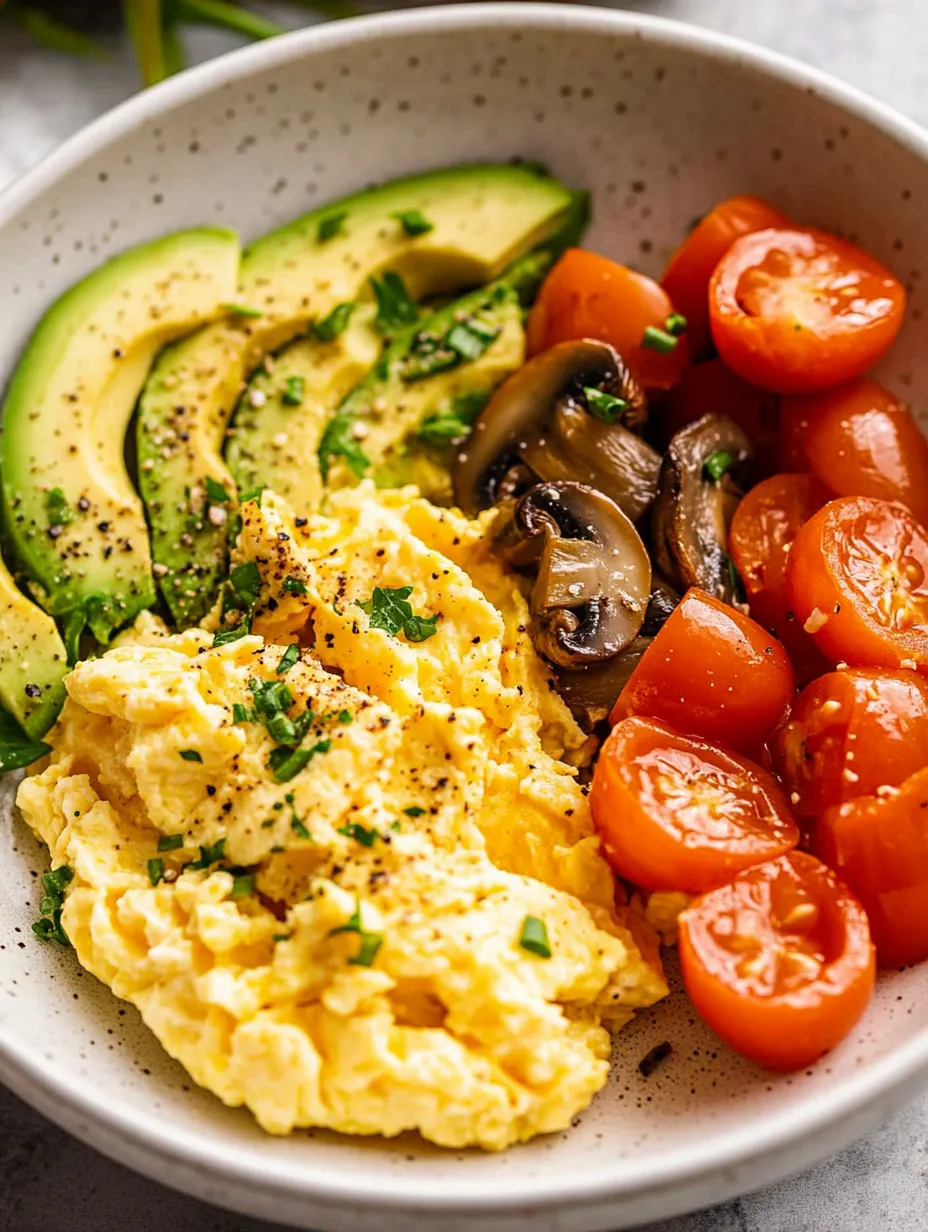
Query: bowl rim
x,y
77,1104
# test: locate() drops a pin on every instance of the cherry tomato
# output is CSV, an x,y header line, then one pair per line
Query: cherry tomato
x,y
711,387
797,311
879,846
677,813
861,441
712,672
856,577
794,433
851,732
779,962
686,278
765,524
589,296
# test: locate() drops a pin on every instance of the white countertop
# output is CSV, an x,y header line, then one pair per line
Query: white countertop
x,y
49,1182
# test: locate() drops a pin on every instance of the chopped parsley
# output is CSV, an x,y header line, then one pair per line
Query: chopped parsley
x,y
288,659
345,716
717,465
190,755
216,492
288,767
604,406
16,748
251,494
339,441
59,511
293,586
658,340
367,838
396,826
330,327
245,581
239,594
389,609
242,310
280,937
413,222
54,883
370,942
242,714
155,870
271,697
534,937
209,855
454,422
414,811
294,391
170,842
676,324
225,636
243,885
395,307
331,225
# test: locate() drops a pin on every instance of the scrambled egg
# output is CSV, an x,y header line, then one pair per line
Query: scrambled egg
x,y
343,948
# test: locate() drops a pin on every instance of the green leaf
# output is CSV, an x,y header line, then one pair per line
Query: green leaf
x,y
367,951
345,716
56,880
216,492
413,222
717,465
54,883
243,885
298,828
293,586
170,842
225,16
421,628
331,225
534,937
242,310
414,811
288,659
339,441
470,339
367,838
271,697
299,760
251,494
209,855
55,35
395,307
389,609
294,391
604,406
155,870
190,755
16,748
242,714
225,636
59,511
329,328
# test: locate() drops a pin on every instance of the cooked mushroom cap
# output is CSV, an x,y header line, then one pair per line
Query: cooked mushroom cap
x,y
594,574
591,692
693,510
662,602
523,406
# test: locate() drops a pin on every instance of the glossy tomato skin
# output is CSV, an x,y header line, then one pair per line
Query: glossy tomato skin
x,y
710,387
857,578
678,813
589,296
779,962
690,269
798,311
764,526
712,672
794,432
861,440
879,846
850,733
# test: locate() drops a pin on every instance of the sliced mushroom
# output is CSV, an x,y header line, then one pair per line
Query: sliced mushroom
x,y
662,602
524,404
695,504
594,574
575,446
591,692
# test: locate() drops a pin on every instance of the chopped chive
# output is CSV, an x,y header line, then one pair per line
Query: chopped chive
x,y
209,855
414,811
298,760
242,714
658,340
534,937
170,842
470,339
367,838
330,226
604,406
717,465
676,324
290,657
367,950
242,310
280,936
298,828
155,870
413,222
281,729
395,306
294,391
190,755
243,885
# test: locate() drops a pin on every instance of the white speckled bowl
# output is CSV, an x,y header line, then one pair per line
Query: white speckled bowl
x,y
660,121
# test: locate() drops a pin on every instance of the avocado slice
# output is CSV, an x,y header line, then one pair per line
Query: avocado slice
x,y
70,512
439,232
33,661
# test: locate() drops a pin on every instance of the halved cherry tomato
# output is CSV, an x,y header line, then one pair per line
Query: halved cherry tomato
x,y
712,672
851,732
857,577
589,296
794,433
861,441
879,846
797,311
779,963
678,813
710,387
686,278
765,524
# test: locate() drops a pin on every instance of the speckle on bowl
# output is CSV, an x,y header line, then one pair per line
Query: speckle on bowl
x,y
660,122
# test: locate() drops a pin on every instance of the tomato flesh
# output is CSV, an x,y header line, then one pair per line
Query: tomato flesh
x,y
712,672
589,296
857,577
689,271
798,311
678,813
878,844
862,441
779,962
850,733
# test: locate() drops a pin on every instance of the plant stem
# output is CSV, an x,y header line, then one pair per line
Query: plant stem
x,y
144,22
54,34
173,50
227,16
